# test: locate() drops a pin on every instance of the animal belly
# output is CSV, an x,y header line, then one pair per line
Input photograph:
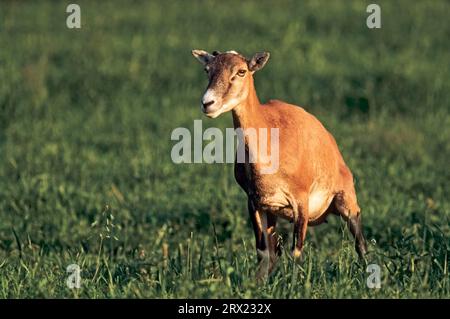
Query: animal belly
x,y
319,201
282,212
278,205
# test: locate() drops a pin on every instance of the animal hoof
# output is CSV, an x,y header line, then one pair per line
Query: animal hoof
x,y
264,265
297,255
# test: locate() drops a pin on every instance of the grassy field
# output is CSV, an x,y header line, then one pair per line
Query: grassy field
x,y
86,175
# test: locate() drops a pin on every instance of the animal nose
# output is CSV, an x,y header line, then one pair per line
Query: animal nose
x,y
206,104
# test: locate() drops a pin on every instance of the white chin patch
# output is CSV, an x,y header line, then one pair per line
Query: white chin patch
x,y
210,96
214,114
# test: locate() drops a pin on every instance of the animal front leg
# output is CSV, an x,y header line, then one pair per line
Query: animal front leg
x,y
259,223
273,241
264,250
300,226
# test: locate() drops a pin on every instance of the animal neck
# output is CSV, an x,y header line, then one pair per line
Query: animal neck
x,y
246,114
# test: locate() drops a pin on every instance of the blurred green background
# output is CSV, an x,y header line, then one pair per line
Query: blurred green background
x,y
85,170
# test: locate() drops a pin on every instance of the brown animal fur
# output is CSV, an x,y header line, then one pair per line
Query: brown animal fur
x,y
312,180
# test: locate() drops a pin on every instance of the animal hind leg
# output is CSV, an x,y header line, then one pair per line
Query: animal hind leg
x,y
348,208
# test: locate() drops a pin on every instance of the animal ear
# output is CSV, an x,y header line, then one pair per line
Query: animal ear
x,y
203,56
258,61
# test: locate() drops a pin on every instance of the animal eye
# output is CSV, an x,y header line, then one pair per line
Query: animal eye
x,y
241,73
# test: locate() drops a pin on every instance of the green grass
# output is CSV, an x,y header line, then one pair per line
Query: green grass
x,y
85,123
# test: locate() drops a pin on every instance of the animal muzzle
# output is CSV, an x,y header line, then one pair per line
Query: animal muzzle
x,y
210,102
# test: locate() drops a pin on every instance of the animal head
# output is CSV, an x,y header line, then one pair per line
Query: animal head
x,y
230,77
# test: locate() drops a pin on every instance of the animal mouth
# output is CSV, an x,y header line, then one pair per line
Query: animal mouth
x,y
212,113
